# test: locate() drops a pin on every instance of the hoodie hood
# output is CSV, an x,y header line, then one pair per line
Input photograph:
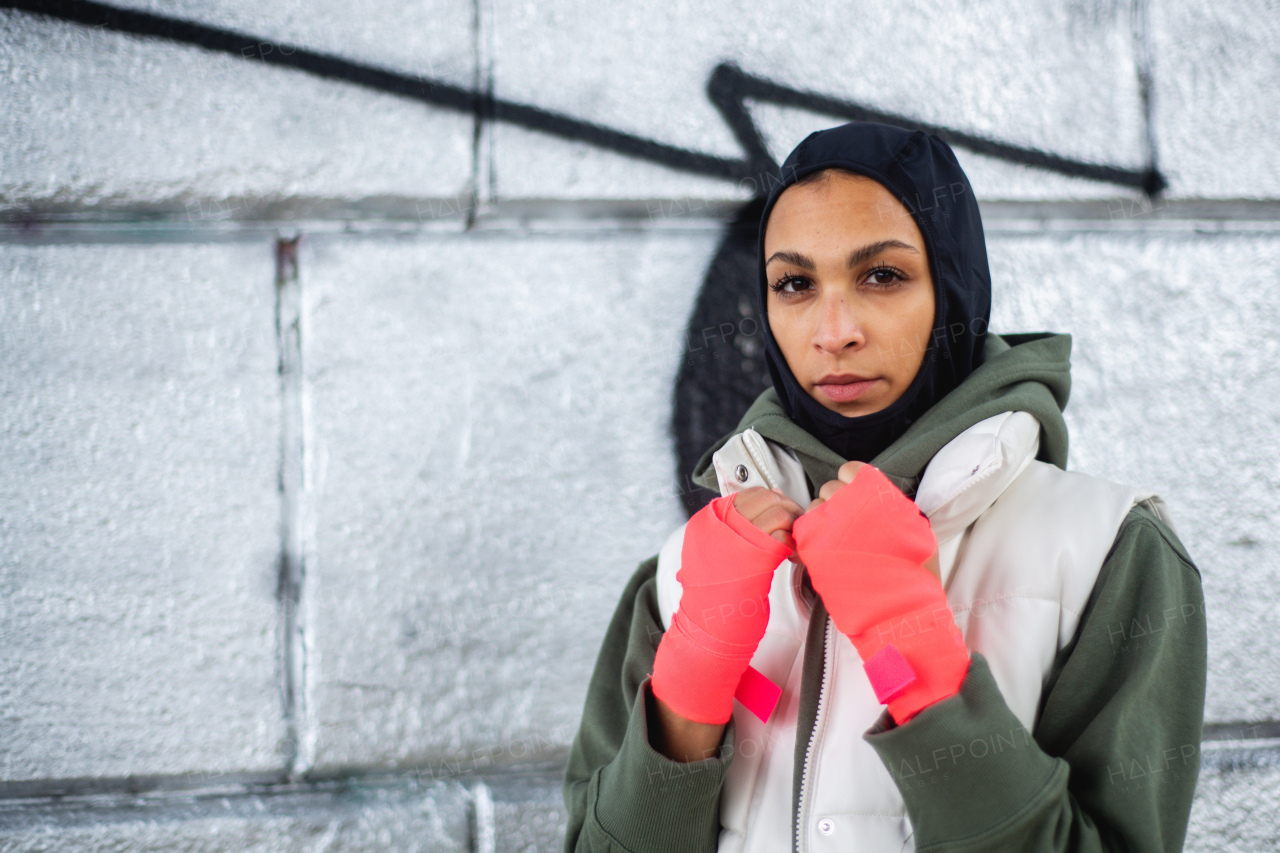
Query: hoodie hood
x,y
1027,372
921,171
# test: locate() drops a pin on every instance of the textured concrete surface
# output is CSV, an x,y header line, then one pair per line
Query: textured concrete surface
x,y
490,462
99,120
1060,78
528,814
435,818
992,178
433,39
1237,805
138,511
1174,389
485,413
1215,95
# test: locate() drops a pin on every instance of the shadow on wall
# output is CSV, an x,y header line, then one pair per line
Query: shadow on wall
x,y
722,366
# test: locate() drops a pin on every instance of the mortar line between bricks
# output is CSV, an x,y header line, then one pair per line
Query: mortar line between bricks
x,y
477,117
483,820
1141,32
1227,745
127,796
133,791
290,646
1248,731
489,48
658,216
482,188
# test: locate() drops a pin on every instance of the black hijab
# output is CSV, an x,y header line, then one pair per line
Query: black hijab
x,y
921,171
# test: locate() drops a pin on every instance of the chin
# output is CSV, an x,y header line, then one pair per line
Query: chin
x,y
853,410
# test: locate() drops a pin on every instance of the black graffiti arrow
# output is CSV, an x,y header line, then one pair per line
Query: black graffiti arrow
x,y
728,89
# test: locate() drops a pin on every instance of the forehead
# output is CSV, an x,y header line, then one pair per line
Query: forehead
x,y
839,207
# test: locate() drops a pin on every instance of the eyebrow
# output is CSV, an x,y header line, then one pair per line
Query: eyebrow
x,y
856,257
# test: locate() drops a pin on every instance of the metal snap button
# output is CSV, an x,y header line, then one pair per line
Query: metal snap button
x,y
741,473
826,827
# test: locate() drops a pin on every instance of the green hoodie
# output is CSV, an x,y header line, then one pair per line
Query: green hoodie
x,y
1115,753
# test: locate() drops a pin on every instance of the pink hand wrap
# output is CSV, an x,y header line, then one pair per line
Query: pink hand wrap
x,y
865,550
726,569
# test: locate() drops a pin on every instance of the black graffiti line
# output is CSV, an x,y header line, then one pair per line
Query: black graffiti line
x,y
728,89
424,89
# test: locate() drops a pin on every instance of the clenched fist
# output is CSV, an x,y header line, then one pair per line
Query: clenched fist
x,y
872,556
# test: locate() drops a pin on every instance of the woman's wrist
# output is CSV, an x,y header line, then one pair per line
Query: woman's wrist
x,y
679,738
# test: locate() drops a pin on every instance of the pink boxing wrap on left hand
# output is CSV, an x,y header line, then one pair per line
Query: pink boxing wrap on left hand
x,y
726,571
865,550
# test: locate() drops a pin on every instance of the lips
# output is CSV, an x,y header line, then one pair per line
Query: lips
x,y
842,379
843,387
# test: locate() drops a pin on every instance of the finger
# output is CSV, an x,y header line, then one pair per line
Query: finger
x,y
787,501
786,498
849,470
749,502
774,519
814,504
771,519
760,500
829,488
785,538
788,504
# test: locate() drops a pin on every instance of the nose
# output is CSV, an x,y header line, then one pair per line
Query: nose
x,y
839,326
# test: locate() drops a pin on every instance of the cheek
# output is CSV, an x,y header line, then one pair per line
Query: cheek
x,y
791,330
908,329
918,318
785,321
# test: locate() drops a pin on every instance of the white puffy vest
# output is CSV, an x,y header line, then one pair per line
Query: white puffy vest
x,y
1020,546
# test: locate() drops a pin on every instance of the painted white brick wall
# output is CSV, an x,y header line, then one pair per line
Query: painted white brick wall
x,y
138,510
491,316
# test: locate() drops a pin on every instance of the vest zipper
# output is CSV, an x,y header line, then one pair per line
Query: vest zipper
x,y
801,818
756,457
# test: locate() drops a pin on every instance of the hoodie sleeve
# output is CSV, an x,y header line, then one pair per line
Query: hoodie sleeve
x,y
1115,757
622,795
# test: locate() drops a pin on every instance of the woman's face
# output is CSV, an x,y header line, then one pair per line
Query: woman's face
x,y
850,296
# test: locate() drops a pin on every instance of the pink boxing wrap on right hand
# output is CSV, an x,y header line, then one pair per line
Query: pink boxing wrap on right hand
x,y
726,569
865,550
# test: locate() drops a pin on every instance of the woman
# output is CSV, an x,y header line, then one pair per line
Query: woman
x,y
903,624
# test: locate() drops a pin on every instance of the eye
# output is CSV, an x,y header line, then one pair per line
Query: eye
x,y
885,277
790,280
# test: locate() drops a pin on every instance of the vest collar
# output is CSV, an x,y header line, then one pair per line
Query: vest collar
x,y
971,471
